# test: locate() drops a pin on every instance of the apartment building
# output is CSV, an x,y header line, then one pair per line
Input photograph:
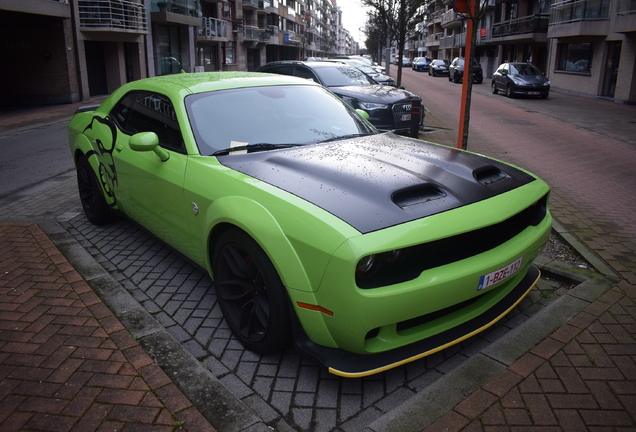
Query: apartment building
x,y
65,51
586,47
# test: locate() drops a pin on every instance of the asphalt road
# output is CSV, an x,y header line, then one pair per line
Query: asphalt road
x,y
30,157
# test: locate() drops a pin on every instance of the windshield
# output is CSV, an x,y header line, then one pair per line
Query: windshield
x,y
342,75
524,69
273,115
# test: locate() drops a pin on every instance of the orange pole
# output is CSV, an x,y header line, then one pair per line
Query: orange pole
x,y
467,67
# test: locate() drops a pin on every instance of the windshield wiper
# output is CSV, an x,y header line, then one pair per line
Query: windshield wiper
x,y
344,137
253,147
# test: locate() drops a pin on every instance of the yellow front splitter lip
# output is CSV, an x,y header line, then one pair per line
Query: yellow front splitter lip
x,y
351,365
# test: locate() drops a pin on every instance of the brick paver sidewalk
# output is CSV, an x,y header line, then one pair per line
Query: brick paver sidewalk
x,y
583,377
66,363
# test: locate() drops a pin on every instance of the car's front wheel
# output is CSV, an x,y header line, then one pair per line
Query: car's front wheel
x,y
95,207
493,88
509,91
252,296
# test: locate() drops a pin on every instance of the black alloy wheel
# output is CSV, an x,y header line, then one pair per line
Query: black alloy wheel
x,y
509,91
252,297
95,207
494,87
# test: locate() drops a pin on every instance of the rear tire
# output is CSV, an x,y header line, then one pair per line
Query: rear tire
x,y
252,296
95,207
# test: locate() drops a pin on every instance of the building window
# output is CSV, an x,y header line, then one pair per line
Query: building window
x,y
576,57
228,53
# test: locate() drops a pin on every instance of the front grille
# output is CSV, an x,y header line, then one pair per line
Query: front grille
x,y
399,109
419,258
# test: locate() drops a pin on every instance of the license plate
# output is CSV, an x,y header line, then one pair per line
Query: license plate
x,y
406,117
499,275
533,93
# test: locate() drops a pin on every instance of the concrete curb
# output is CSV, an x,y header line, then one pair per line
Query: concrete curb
x,y
217,404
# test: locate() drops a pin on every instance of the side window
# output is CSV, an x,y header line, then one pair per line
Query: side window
x,y
149,112
303,72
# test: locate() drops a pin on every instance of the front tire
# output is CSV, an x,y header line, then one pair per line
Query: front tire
x,y
509,91
252,296
493,88
95,207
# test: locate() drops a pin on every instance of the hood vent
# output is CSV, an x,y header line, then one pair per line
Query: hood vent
x,y
490,175
417,195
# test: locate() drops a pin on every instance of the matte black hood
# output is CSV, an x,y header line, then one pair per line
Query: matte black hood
x,y
381,180
376,93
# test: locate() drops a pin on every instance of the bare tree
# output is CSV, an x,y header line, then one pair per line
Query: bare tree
x,y
398,17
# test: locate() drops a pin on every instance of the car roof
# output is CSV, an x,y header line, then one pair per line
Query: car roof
x,y
200,82
313,64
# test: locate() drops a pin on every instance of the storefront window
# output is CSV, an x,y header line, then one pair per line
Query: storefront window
x,y
575,57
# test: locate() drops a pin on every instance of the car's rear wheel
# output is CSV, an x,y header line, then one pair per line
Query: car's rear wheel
x,y
250,292
509,91
493,87
95,207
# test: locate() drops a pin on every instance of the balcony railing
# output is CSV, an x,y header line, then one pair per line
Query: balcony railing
x,y
450,16
446,42
528,24
434,38
581,10
626,7
254,33
213,28
109,15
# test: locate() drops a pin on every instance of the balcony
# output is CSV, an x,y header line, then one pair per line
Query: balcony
x,y
451,19
531,28
625,20
434,39
447,42
112,16
251,4
255,34
213,29
579,18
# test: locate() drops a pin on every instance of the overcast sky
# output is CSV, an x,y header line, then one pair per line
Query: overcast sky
x,y
354,17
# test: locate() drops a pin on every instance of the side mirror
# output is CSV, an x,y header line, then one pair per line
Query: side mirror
x,y
362,113
504,72
148,141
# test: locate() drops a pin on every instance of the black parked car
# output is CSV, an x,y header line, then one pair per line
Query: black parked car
x,y
380,78
389,108
520,79
438,67
456,71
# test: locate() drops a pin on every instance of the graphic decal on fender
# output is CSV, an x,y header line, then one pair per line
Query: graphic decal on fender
x,y
107,172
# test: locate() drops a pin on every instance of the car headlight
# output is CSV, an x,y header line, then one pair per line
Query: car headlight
x,y
372,106
383,264
547,83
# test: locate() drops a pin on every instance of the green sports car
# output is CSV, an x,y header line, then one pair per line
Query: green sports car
x,y
366,250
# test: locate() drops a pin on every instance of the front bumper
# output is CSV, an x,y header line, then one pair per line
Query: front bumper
x,y
380,323
531,91
352,365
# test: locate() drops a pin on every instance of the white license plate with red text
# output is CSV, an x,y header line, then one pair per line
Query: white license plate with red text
x,y
406,117
499,275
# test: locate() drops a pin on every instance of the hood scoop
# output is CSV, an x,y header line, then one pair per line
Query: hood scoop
x,y
417,195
